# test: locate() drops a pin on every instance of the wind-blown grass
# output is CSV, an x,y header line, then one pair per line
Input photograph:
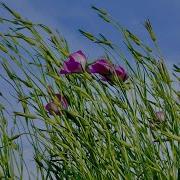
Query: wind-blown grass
x,y
109,130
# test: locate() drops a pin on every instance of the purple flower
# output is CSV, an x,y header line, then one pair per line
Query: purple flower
x,y
54,107
101,66
160,116
107,70
121,73
74,64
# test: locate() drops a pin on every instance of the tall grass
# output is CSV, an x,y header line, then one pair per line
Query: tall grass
x,y
110,130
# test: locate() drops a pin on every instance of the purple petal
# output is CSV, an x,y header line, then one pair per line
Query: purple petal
x,y
74,64
52,108
103,61
79,57
74,67
62,71
71,66
121,73
101,66
81,53
65,69
62,100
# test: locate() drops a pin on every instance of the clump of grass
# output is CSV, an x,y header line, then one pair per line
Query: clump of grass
x,y
109,130
11,164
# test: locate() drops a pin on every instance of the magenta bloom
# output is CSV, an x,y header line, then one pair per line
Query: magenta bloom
x,y
107,70
74,64
121,73
54,107
101,66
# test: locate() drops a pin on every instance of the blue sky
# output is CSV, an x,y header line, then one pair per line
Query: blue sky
x,y
68,16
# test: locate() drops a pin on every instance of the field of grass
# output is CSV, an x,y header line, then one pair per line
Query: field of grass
x,y
113,119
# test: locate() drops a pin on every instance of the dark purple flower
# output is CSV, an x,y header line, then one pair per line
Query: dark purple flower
x,y
59,103
101,66
107,70
74,64
121,73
